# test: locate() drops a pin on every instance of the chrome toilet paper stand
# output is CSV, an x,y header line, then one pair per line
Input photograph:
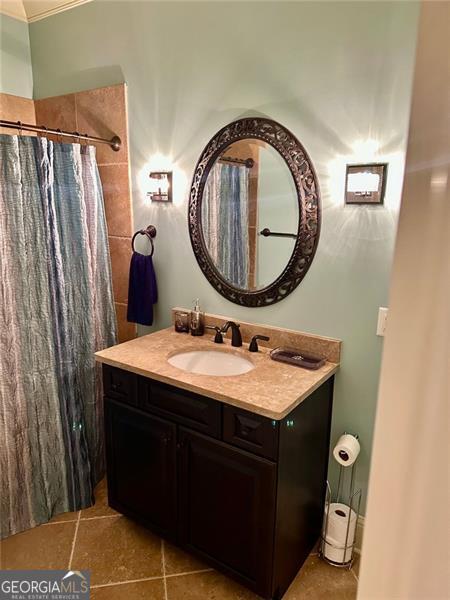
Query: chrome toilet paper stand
x,y
353,501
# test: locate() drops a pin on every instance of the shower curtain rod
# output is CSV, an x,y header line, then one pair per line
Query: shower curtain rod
x,y
115,142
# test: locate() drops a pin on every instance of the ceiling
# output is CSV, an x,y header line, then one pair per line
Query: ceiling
x,y
34,10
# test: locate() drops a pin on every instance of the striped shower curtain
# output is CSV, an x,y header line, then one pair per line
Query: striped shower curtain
x,y
225,222
56,310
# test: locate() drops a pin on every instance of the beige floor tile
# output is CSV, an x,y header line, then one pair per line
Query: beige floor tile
x,y
100,508
206,586
356,563
64,517
116,550
44,547
178,561
141,590
319,581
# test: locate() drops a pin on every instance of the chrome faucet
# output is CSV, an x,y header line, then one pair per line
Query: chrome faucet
x,y
236,338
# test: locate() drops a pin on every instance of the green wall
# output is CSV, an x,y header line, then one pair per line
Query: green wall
x,y
334,73
15,59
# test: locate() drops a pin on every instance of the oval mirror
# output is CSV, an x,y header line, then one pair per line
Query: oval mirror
x,y
254,212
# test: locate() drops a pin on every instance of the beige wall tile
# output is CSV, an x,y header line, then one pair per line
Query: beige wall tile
x,y
16,108
127,331
102,112
116,192
120,249
44,547
57,112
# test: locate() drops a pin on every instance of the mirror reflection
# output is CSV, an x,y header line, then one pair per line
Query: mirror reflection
x,y
249,190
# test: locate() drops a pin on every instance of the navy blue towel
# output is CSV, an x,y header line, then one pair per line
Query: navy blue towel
x,y
142,291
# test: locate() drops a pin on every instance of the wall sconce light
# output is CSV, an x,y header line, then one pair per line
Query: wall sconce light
x,y
160,187
365,184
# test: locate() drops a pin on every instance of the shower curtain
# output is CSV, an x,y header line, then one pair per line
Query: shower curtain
x,y
56,310
225,221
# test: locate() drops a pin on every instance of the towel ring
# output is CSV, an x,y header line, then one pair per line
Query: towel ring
x,y
150,232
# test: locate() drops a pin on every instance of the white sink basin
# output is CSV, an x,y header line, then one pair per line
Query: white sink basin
x,y
211,362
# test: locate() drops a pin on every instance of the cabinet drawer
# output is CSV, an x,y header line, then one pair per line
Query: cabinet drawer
x,y
251,432
120,385
189,409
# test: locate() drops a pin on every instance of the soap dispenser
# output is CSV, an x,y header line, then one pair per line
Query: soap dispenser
x,y
197,320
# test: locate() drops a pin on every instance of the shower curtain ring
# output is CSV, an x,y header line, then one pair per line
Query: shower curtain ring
x,y
60,138
19,123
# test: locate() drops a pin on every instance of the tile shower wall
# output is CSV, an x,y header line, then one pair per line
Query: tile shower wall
x,y
102,112
16,108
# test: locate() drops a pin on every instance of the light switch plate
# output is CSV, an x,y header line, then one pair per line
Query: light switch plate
x,y
382,320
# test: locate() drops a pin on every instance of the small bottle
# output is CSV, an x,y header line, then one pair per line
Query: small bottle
x,y
197,321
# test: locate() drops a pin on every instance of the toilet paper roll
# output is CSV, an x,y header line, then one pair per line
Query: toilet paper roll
x,y
346,450
338,520
332,551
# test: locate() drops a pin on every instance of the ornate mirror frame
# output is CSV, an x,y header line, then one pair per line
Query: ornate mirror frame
x,y
308,196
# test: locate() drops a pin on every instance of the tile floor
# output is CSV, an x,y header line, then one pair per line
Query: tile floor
x,y
127,562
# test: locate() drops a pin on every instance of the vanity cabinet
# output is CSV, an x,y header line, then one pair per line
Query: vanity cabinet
x,y
227,507
141,455
243,492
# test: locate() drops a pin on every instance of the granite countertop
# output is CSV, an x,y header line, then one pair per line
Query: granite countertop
x,y
271,389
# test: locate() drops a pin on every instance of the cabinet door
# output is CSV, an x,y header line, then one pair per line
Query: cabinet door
x,y
226,508
141,459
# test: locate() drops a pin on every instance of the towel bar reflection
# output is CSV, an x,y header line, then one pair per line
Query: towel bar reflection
x,y
150,232
267,233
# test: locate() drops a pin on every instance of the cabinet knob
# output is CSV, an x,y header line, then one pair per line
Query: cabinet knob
x,y
116,386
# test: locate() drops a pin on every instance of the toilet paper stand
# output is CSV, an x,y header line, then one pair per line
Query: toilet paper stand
x,y
353,500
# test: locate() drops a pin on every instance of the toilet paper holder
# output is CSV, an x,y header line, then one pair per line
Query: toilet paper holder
x,y
341,550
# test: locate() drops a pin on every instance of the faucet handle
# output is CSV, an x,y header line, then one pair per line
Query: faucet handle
x,y
218,339
253,346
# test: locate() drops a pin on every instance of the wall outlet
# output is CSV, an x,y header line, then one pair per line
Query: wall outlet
x,y
382,320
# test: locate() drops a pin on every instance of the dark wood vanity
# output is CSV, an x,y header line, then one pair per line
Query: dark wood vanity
x,y
243,492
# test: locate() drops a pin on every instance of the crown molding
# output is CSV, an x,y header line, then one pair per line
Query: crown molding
x,y
30,11
60,7
15,10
